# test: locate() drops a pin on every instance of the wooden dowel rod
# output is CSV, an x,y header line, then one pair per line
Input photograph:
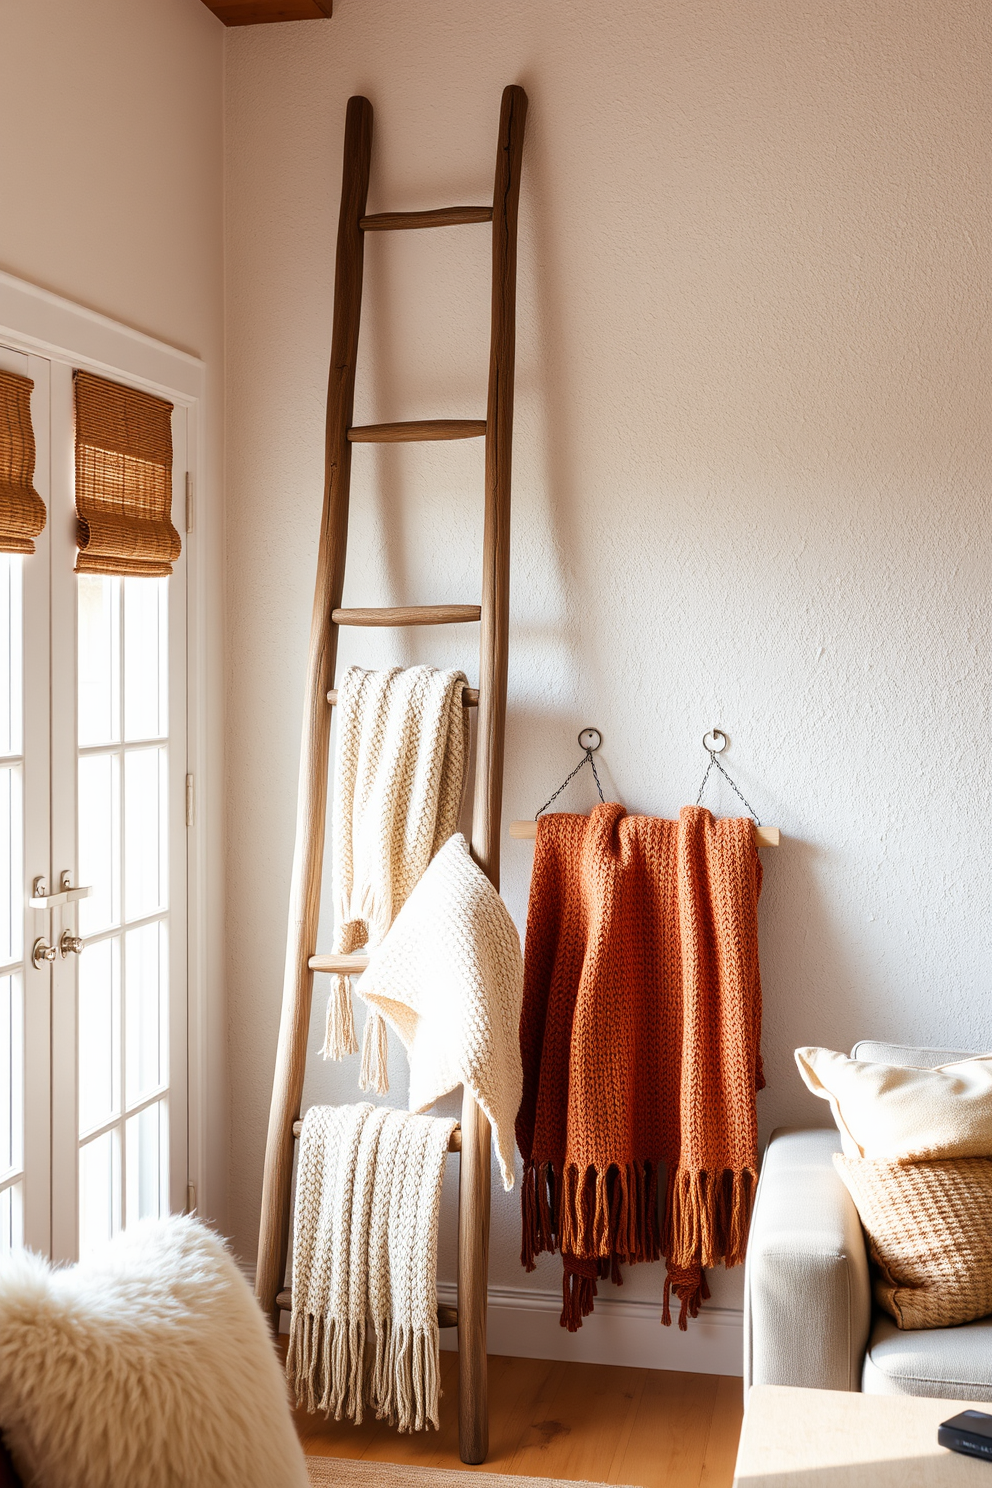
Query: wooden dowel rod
x,y
470,697
417,431
409,615
526,831
351,965
454,1141
433,217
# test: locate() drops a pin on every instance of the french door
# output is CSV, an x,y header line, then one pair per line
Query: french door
x,y
93,996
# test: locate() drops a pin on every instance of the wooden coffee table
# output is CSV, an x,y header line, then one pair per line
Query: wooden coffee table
x,y
795,1438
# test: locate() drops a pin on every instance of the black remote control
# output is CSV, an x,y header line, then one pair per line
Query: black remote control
x,y
970,1432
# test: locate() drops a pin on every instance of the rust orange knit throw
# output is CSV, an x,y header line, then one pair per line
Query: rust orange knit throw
x,y
640,1036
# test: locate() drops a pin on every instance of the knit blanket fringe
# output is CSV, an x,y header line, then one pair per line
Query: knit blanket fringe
x,y
603,1218
397,1376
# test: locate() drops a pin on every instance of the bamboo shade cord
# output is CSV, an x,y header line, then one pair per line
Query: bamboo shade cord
x,y
22,511
123,480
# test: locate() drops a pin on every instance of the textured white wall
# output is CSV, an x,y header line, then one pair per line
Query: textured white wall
x,y
111,194
751,472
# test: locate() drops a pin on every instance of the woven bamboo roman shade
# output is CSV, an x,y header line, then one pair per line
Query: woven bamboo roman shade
x,y
123,480
22,511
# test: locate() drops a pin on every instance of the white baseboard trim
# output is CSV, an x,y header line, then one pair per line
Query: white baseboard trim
x,y
525,1325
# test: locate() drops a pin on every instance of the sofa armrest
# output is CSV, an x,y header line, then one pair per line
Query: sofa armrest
x,y
807,1292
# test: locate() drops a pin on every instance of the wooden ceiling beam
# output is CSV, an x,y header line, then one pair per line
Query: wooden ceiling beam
x,y
264,12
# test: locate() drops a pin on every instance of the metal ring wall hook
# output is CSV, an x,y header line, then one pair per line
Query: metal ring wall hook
x,y
713,749
590,739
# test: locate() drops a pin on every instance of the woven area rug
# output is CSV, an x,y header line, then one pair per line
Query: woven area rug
x,y
349,1472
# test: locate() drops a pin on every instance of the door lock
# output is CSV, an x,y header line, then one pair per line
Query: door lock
x,y
70,944
42,952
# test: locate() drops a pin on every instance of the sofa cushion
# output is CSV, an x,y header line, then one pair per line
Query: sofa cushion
x,y
894,1111
929,1228
948,1363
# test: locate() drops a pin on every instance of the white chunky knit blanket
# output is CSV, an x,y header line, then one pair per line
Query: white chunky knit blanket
x,y
398,780
364,1330
449,978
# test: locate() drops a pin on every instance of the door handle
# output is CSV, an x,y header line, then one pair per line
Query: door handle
x,y
70,944
42,952
42,899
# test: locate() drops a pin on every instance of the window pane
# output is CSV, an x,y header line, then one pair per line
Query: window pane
x,y
99,1191
145,658
11,865
146,980
99,1033
12,1217
98,610
147,1164
145,786
11,1072
10,653
99,841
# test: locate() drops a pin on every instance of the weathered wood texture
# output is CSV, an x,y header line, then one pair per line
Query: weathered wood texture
x,y
474,1176
301,962
417,431
433,217
263,12
403,615
304,904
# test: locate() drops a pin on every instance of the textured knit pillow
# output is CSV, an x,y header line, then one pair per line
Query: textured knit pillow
x,y
149,1365
929,1228
893,1111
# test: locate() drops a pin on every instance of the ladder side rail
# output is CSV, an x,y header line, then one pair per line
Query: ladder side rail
x,y
304,907
474,1193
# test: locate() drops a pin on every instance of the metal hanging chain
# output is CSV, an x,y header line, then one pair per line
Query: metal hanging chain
x,y
715,734
586,759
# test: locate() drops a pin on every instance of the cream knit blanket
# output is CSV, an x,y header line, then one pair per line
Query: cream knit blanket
x,y
398,780
449,978
364,1330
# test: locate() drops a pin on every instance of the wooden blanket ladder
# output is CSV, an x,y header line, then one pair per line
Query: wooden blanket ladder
x,y
490,699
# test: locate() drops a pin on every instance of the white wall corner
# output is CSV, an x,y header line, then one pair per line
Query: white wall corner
x,y
524,1325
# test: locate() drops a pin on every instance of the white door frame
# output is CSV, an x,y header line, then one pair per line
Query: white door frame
x,y
34,320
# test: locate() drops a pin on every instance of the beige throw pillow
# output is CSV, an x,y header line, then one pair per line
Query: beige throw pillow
x,y
929,1228
892,1111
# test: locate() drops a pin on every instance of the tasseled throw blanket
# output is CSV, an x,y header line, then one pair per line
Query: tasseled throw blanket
x,y
364,1329
398,778
640,1038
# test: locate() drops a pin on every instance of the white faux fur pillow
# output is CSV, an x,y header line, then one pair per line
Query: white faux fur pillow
x,y
148,1365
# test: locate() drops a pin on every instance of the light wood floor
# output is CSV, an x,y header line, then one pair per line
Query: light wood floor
x,y
643,1426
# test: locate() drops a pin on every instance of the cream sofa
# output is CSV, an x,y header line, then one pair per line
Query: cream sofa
x,y
808,1313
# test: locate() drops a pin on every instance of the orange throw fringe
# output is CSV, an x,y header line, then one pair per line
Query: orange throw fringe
x,y
640,1036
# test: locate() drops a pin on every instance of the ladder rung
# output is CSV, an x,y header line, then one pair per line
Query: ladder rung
x,y
416,430
410,615
454,1141
433,217
447,1317
470,697
350,965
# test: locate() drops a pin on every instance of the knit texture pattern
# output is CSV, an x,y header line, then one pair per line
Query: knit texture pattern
x,y
449,978
398,781
929,1228
364,1331
640,1039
